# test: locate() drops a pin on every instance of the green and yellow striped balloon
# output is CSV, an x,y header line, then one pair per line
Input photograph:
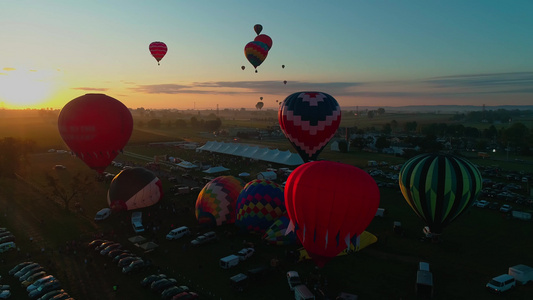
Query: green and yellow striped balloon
x,y
439,187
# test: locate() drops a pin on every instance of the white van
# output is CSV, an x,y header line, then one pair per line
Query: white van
x,y
7,246
177,233
102,214
293,278
229,261
301,292
501,283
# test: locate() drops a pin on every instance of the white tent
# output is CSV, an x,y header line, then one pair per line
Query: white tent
x,y
216,170
187,165
253,152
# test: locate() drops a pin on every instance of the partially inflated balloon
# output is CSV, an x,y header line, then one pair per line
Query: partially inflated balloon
x,y
439,187
96,128
258,28
256,53
215,204
134,188
275,234
264,39
329,204
158,50
309,120
259,204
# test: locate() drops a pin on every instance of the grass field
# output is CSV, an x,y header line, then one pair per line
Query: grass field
x,y
479,245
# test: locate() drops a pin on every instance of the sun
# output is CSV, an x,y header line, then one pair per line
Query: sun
x,y
25,88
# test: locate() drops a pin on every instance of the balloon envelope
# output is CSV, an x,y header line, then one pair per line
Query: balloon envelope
x,y
215,204
439,187
330,204
258,28
256,53
158,50
134,188
309,120
275,234
259,204
96,128
264,39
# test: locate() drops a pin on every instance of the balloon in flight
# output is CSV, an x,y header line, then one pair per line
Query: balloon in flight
x,y
309,120
96,128
133,189
258,28
158,50
439,188
329,204
243,67
264,39
256,53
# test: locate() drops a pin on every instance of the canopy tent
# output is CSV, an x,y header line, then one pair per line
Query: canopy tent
x,y
137,239
148,246
253,152
216,170
186,165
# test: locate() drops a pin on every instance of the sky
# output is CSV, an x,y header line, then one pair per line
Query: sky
x,y
363,53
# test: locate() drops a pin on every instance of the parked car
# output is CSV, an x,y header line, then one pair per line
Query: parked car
x,y
293,278
103,245
33,278
7,238
506,208
45,288
122,255
126,261
5,294
95,243
52,294
494,205
482,203
18,267
172,291
177,233
185,296
135,265
109,248
26,269
40,282
4,247
30,272
162,284
205,238
147,281
245,253
115,252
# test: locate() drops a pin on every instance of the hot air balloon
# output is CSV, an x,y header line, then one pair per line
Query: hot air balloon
x,y
439,187
283,66
309,120
158,50
264,39
261,98
329,204
284,81
96,128
259,105
134,188
215,204
258,28
256,53
275,234
259,204
243,67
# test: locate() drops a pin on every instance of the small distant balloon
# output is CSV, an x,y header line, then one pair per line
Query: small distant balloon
x,y
261,98
284,81
283,66
258,28
243,67
158,50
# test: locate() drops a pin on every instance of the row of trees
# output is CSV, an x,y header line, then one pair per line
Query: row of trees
x,y
209,125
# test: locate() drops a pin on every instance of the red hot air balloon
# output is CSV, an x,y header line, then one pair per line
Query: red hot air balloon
x,y
329,204
258,28
95,127
264,39
158,50
309,120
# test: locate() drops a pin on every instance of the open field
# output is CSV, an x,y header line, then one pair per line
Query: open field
x,y
479,245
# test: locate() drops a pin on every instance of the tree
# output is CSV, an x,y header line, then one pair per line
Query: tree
x,y
180,123
411,126
154,123
78,185
14,155
381,111
370,114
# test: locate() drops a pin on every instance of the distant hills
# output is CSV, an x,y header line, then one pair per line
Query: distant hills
x,y
439,108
